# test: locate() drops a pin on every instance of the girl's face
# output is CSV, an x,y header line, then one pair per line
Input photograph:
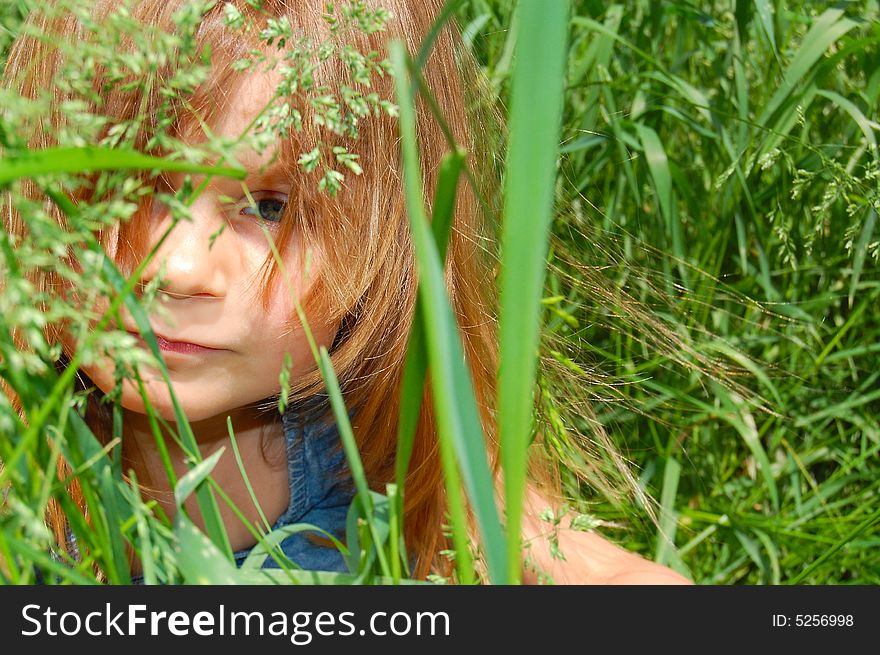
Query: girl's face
x,y
223,349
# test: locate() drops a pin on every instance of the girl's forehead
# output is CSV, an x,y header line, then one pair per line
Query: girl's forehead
x,y
240,105
225,111
245,98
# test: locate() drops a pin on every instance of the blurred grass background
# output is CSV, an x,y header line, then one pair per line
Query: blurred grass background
x,y
714,273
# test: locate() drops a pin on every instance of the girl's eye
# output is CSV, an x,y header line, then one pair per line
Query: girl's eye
x,y
270,208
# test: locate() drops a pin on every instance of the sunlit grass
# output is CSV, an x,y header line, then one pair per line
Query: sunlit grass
x,y
716,259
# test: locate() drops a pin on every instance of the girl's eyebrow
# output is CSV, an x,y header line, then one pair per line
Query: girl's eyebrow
x,y
274,171
256,170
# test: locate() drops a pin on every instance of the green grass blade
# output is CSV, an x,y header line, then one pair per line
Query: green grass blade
x,y
861,252
198,557
658,165
457,511
828,27
864,123
753,551
668,515
195,477
458,420
105,521
444,199
744,361
396,545
772,552
742,420
448,11
416,364
535,114
147,554
765,17
90,159
412,387
244,476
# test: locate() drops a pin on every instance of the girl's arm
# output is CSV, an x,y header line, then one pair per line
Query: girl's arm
x,y
589,558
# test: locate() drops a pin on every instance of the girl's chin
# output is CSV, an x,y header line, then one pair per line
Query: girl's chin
x,y
161,405
194,409
162,408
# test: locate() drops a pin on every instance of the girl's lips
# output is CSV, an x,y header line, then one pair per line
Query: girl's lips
x,y
182,347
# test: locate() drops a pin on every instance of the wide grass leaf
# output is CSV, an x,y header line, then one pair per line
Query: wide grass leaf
x,y
195,477
535,112
458,419
200,561
90,159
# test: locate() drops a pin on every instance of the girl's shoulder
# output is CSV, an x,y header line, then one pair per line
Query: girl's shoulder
x,y
567,556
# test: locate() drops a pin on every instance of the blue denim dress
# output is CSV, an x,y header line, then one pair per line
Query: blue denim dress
x,y
321,491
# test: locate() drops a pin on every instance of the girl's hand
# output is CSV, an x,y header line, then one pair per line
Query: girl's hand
x,y
589,558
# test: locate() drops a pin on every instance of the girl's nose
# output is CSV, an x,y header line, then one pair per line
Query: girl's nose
x,y
195,264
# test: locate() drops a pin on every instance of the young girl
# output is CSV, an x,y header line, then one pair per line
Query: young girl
x,y
226,322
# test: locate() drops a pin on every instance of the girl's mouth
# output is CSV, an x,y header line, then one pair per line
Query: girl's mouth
x,y
181,347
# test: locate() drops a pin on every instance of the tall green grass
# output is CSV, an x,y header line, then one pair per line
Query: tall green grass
x,y
714,272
